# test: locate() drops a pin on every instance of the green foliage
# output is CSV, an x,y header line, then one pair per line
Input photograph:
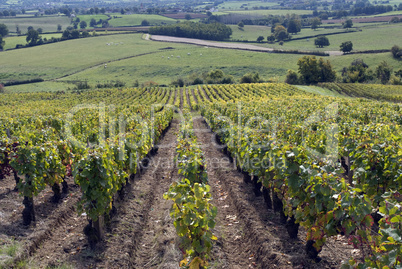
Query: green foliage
x,y
347,24
3,30
145,23
280,33
240,24
212,31
251,78
315,22
292,77
396,52
346,46
260,39
33,38
83,24
294,26
357,72
99,176
383,72
321,41
192,211
313,71
2,42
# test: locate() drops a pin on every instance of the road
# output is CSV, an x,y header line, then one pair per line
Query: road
x,y
224,45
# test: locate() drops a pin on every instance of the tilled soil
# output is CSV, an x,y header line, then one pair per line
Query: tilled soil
x,y
250,235
139,235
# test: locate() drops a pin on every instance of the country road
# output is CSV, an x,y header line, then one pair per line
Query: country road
x,y
224,45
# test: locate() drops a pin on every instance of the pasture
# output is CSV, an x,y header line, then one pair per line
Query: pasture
x,y
136,19
47,23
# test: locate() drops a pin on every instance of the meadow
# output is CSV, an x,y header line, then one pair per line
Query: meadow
x,y
130,58
47,23
136,20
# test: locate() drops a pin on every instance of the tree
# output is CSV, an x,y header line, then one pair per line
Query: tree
x,y
3,30
2,42
260,38
281,33
250,78
321,41
346,46
92,23
315,22
58,27
327,74
102,10
347,24
145,23
30,28
187,17
313,71
383,72
33,37
6,13
83,24
122,11
271,39
240,24
292,77
40,30
396,52
294,26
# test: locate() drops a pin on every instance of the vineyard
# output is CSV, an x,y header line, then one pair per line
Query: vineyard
x,y
214,176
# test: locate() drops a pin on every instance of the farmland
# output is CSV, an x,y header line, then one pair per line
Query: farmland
x,y
238,191
122,149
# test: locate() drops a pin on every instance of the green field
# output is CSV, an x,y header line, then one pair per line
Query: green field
x,y
136,19
267,12
12,41
376,38
251,32
47,23
87,18
236,5
130,58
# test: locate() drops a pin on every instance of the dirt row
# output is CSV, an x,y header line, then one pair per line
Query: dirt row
x,y
141,233
250,235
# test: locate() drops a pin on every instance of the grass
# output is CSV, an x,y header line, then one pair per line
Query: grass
x,y
157,67
377,38
136,19
8,250
319,90
148,61
58,59
47,23
236,5
87,18
267,12
12,41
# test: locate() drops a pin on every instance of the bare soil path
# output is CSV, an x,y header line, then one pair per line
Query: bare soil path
x,y
249,234
141,233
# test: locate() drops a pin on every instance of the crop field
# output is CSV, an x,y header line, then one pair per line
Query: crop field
x,y
277,170
47,23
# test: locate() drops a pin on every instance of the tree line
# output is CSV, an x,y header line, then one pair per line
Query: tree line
x,y
212,31
312,71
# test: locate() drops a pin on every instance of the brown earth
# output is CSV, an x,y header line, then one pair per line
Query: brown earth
x,y
141,233
252,233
